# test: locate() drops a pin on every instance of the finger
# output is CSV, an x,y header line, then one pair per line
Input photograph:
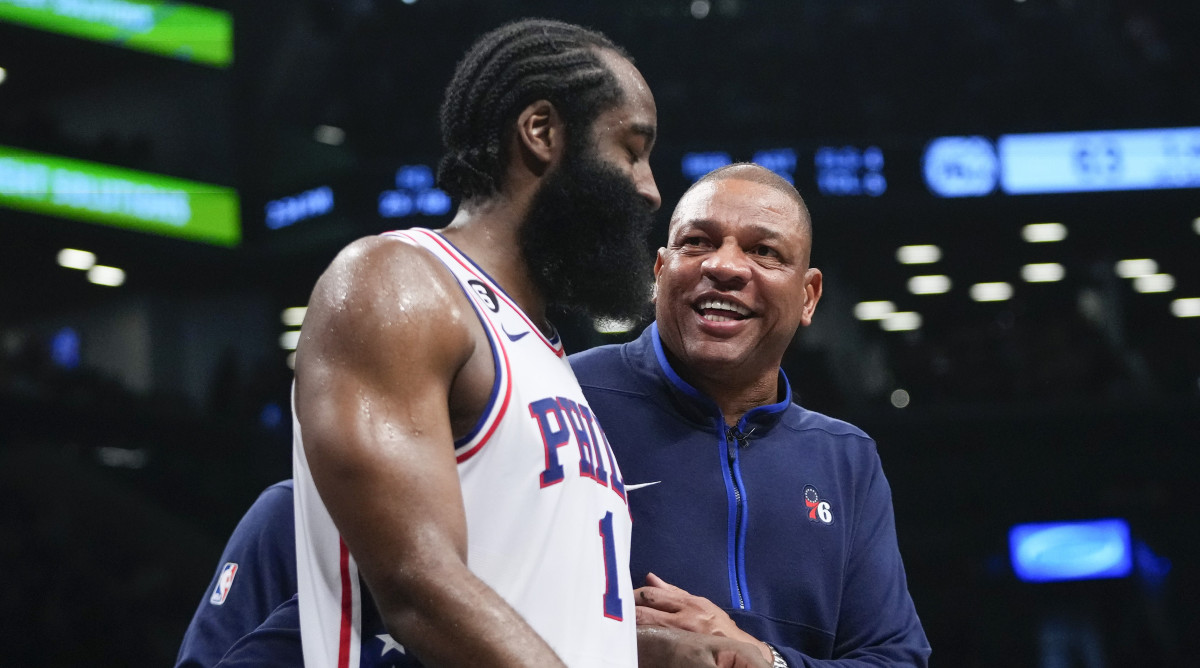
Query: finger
x,y
651,617
655,581
660,599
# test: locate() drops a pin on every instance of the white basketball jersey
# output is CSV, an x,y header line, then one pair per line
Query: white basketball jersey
x,y
548,526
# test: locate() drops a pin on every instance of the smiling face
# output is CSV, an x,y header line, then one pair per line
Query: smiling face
x,y
733,284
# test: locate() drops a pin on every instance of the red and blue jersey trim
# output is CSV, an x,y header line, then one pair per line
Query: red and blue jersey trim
x,y
554,343
468,445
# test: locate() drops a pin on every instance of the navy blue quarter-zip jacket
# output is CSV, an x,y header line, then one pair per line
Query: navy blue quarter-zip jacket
x,y
784,520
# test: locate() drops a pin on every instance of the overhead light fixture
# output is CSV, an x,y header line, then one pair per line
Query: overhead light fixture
x,y
929,285
1135,268
3,74
1196,224
900,398
1154,283
873,310
700,9
73,258
294,316
1036,233
901,321
288,340
991,292
102,275
1043,272
1186,308
919,254
328,134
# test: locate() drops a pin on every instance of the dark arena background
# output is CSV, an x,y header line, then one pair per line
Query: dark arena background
x,y
1006,201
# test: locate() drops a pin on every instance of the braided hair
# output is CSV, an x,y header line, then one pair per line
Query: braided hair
x,y
506,70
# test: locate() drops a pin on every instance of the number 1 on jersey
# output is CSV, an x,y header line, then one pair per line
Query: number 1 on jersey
x,y
612,597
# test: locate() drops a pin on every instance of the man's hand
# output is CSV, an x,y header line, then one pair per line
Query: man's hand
x,y
660,647
662,604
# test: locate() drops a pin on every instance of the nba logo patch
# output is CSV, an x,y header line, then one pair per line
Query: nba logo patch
x,y
223,584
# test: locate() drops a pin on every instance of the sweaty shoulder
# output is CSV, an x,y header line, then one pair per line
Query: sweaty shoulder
x,y
385,302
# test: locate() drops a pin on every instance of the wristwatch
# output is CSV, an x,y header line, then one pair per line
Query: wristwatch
x,y
779,661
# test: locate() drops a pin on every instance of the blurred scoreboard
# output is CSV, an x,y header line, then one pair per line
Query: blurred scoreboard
x,y
978,166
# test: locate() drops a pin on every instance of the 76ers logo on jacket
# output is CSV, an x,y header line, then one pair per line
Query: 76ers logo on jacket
x,y
818,509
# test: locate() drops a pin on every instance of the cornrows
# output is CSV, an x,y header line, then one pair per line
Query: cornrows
x,y
505,70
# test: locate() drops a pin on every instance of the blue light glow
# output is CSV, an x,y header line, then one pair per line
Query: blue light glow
x,y
1087,550
695,165
1066,162
847,170
961,166
782,161
291,210
64,348
414,177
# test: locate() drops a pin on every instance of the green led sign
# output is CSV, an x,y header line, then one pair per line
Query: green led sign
x,y
173,29
96,193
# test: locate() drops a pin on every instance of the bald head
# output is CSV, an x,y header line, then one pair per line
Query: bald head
x,y
749,171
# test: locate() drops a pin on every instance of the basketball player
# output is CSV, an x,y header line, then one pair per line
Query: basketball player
x,y
444,454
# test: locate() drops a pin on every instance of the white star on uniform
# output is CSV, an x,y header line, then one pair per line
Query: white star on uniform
x,y
389,644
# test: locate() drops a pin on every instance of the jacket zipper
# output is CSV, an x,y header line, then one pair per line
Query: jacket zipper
x,y
735,440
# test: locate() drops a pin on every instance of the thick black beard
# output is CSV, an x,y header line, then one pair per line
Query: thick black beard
x,y
585,240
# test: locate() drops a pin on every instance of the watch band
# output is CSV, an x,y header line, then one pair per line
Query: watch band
x,y
779,661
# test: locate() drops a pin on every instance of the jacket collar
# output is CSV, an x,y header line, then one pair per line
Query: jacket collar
x,y
650,360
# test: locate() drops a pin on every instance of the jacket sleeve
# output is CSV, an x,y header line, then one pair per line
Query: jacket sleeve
x,y
276,642
262,549
878,624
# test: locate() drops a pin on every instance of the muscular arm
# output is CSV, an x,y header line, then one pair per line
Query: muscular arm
x,y
382,369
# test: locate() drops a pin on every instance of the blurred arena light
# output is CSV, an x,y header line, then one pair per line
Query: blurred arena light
x,y
1154,283
929,285
104,275
3,74
1036,233
1055,551
73,258
700,9
1136,267
1043,272
294,316
1196,225
918,254
901,321
288,340
613,325
328,134
877,310
900,398
1188,307
991,292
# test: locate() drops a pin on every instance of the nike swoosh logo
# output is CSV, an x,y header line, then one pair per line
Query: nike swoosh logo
x,y
514,337
630,488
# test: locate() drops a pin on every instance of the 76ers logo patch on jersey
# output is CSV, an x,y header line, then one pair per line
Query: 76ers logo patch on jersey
x,y
223,584
818,509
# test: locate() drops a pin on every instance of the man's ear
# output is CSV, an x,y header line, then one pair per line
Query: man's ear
x,y
540,136
658,265
812,294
